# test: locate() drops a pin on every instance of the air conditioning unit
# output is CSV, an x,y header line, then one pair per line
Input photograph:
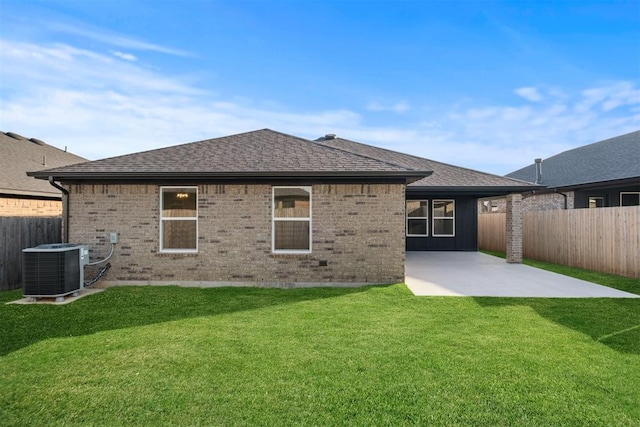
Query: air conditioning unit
x,y
53,270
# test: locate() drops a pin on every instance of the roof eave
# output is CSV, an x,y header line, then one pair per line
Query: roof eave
x,y
408,176
609,183
42,194
481,190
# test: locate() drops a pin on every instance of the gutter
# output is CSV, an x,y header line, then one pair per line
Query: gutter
x,y
408,176
65,209
566,204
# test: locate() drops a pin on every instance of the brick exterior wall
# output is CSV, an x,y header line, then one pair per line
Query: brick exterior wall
x,y
358,230
537,202
10,206
513,228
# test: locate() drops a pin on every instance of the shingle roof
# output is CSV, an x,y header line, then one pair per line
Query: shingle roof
x,y
19,155
444,177
261,153
613,159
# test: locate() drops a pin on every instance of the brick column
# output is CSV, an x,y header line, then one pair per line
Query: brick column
x,y
513,230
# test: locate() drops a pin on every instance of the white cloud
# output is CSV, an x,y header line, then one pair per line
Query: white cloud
x,y
125,56
529,93
609,97
507,137
114,39
61,65
398,107
100,106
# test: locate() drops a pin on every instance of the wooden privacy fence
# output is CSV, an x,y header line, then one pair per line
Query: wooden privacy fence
x,y
491,232
17,233
603,239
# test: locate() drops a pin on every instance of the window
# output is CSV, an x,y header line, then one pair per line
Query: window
x,y
178,219
291,219
596,202
417,217
629,198
443,218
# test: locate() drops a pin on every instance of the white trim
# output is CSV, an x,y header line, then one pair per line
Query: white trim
x,y
425,218
161,219
448,218
628,192
308,189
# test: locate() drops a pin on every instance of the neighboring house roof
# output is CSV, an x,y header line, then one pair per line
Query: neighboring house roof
x,y
252,155
445,177
610,161
19,155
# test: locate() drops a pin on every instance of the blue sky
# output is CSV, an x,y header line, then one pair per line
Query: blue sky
x,y
488,85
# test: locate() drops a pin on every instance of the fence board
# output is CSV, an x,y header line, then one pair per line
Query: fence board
x,y
17,233
491,232
603,239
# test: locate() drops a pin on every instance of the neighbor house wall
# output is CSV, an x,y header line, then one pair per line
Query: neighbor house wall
x,y
15,206
530,203
357,229
609,195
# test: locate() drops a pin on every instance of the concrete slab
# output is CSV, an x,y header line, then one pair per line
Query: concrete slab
x,y
52,301
482,275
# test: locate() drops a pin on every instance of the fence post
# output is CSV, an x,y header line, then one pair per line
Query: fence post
x,y
513,232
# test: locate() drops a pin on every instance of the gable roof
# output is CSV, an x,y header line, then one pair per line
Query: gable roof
x,y
445,177
610,160
252,155
19,155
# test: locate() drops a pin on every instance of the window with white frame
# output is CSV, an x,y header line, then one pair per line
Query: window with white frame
x,y
629,198
417,217
443,217
291,219
178,219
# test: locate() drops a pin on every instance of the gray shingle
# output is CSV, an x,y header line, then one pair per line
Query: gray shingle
x,y
19,155
609,160
261,152
444,175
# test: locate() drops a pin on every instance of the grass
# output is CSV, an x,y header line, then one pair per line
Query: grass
x,y
626,284
366,356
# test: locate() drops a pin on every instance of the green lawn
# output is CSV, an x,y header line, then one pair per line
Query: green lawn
x,y
367,356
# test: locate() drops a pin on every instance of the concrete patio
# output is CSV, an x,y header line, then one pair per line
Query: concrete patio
x,y
481,275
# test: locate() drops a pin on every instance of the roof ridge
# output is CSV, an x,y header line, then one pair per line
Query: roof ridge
x,y
339,149
320,140
363,155
591,144
606,160
258,152
179,145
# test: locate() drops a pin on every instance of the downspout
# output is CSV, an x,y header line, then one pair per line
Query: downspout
x,y
65,209
566,205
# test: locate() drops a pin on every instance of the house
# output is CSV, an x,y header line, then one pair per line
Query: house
x,y
19,194
441,209
602,174
264,208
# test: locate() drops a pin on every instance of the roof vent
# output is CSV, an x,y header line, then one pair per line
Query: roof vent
x,y
15,136
37,141
538,170
330,136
